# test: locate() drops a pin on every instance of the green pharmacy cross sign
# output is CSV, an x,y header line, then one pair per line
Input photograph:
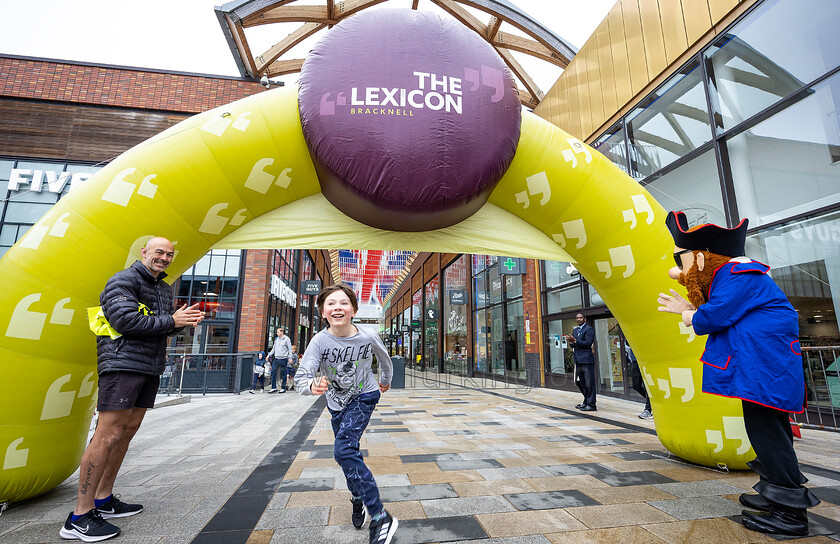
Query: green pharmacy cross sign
x,y
511,265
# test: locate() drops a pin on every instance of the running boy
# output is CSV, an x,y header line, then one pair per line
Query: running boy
x,y
344,353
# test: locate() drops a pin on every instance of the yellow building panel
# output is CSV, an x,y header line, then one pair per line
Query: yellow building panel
x,y
621,64
718,9
652,36
574,103
635,44
593,77
563,106
673,29
698,21
583,96
606,73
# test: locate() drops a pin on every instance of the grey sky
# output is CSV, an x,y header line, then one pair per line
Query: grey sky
x,y
184,35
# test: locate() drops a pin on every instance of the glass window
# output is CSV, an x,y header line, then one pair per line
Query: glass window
x,y
497,340
559,354
481,295
23,212
482,262
693,188
432,353
670,123
6,170
495,282
804,260
790,163
456,345
513,285
515,341
557,273
611,145
482,341
753,67
565,299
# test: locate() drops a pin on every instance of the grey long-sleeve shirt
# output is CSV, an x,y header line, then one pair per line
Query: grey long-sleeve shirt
x,y
282,348
346,362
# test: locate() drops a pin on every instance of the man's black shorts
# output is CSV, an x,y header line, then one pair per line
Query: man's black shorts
x,y
125,390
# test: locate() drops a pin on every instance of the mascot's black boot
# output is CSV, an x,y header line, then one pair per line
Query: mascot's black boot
x,y
779,520
755,501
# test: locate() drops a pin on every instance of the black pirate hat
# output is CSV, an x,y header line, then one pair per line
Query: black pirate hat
x,y
708,237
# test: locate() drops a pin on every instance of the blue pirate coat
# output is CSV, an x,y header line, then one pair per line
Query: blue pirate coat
x,y
752,352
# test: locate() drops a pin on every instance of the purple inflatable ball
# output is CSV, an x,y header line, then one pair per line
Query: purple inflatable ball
x,y
411,118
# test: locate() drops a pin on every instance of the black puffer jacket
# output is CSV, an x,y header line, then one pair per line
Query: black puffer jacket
x,y
142,346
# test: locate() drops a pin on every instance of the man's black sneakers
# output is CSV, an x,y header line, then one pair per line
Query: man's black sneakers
x,y
88,528
360,515
115,508
383,529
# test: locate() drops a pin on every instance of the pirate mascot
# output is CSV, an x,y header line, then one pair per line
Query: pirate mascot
x,y
752,354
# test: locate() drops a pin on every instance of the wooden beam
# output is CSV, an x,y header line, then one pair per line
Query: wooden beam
x,y
349,7
242,45
414,4
290,14
465,17
520,72
278,49
529,47
493,28
526,99
330,9
283,67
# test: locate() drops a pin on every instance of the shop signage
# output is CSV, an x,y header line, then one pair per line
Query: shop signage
x,y
404,328
304,320
282,291
310,287
511,265
431,313
457,297
38,180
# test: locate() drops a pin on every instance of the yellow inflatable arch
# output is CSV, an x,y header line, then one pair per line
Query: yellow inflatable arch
x,y
240,176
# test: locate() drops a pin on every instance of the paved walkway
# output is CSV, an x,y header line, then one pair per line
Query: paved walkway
x,y
508,466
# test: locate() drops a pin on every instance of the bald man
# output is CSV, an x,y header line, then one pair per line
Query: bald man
x,y
138,304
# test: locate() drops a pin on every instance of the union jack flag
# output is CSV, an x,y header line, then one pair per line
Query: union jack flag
x,y
372,273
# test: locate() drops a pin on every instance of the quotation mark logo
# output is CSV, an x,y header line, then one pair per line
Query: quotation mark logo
x,y
536,185
571,229
15,458
37,233
29,325
214,223
120,191
259,180
733,429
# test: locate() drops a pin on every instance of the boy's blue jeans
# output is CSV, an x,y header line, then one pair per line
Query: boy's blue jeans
x,y
348,426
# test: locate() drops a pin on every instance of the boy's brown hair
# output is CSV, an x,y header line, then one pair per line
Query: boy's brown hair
x,y
330,289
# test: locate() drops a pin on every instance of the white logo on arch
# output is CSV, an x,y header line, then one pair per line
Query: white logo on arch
x,y
120,191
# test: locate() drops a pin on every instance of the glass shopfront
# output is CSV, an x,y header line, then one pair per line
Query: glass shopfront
x,y
416,329
431,323
283,300
456,313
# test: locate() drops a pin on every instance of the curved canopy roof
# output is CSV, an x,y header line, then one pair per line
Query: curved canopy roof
x,y
312,17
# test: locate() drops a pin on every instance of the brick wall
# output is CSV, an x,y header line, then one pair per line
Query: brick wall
x,y
253,315
114,86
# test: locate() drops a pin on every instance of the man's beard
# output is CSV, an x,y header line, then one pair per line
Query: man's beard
x,y
698,283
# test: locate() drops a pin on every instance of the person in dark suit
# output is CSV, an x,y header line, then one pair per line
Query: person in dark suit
x,y
582,338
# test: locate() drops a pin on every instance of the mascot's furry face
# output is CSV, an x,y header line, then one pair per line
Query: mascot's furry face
x,y
698,282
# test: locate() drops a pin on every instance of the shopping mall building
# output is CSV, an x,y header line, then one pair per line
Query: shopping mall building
x,y
724,109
